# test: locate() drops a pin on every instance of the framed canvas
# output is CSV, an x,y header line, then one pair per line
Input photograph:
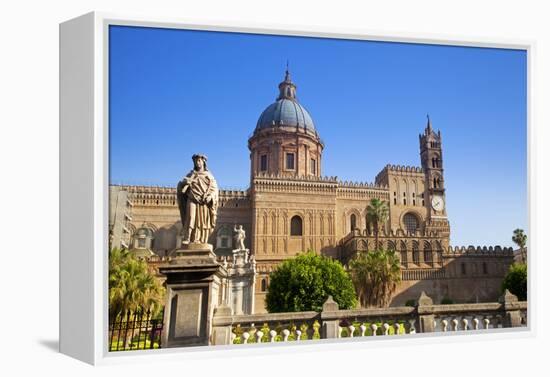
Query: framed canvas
x,y
228,188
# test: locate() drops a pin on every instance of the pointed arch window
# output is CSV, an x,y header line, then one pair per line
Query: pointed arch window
x,y
403,252
439,253
428,254
296,228
416,253
353,222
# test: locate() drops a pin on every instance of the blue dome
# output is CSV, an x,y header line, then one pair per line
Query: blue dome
x,y
285,113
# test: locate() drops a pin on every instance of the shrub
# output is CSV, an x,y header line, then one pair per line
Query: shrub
x,y
304,283
516,281
410,302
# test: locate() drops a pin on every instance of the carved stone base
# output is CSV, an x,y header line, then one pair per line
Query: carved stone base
x,y
193,280
192,246
240,257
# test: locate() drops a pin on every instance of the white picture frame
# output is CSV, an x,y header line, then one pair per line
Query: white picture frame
x,y
84,147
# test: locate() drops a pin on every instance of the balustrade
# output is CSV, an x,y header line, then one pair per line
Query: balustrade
x,y
334,323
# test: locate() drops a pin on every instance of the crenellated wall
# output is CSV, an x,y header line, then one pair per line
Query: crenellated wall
x,y
428,263
156,208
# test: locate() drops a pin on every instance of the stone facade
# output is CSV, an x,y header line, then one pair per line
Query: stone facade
x,y
120,217
290,207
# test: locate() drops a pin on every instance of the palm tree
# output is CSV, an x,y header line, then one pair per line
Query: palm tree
x,y
133,289
377,214
375,275
520,239
132,285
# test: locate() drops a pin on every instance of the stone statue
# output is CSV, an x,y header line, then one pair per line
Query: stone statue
x,y
239,237
197,195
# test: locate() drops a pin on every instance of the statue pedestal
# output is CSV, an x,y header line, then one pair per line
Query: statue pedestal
x,y
193,280
188,249
242,275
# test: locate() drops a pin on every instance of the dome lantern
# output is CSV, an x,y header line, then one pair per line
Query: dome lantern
x,y
287,89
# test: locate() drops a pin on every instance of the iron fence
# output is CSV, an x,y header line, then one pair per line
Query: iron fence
x,y
138,330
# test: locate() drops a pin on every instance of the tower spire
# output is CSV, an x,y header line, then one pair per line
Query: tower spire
x,y
429,124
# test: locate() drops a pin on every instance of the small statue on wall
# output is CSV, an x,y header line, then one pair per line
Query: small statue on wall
x,y
239,237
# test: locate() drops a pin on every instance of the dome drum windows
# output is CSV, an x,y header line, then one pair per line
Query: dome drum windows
x,y
289,162
263,162
313,166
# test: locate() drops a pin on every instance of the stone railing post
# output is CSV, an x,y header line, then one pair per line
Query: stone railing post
x,y
512,315
221,330
329,328
425,313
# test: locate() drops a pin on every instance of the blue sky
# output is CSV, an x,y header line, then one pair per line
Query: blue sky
x,y
174,93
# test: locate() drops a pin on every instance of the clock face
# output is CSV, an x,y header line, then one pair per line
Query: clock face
x,y
438,203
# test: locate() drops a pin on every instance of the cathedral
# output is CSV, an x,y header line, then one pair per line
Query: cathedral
x,y
290,207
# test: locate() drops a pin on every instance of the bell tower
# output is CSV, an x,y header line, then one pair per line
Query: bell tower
x,y
431,157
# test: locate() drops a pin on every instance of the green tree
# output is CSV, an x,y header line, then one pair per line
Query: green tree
x,y
516,281
304,283
132,285
520,239
377,214
375,275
